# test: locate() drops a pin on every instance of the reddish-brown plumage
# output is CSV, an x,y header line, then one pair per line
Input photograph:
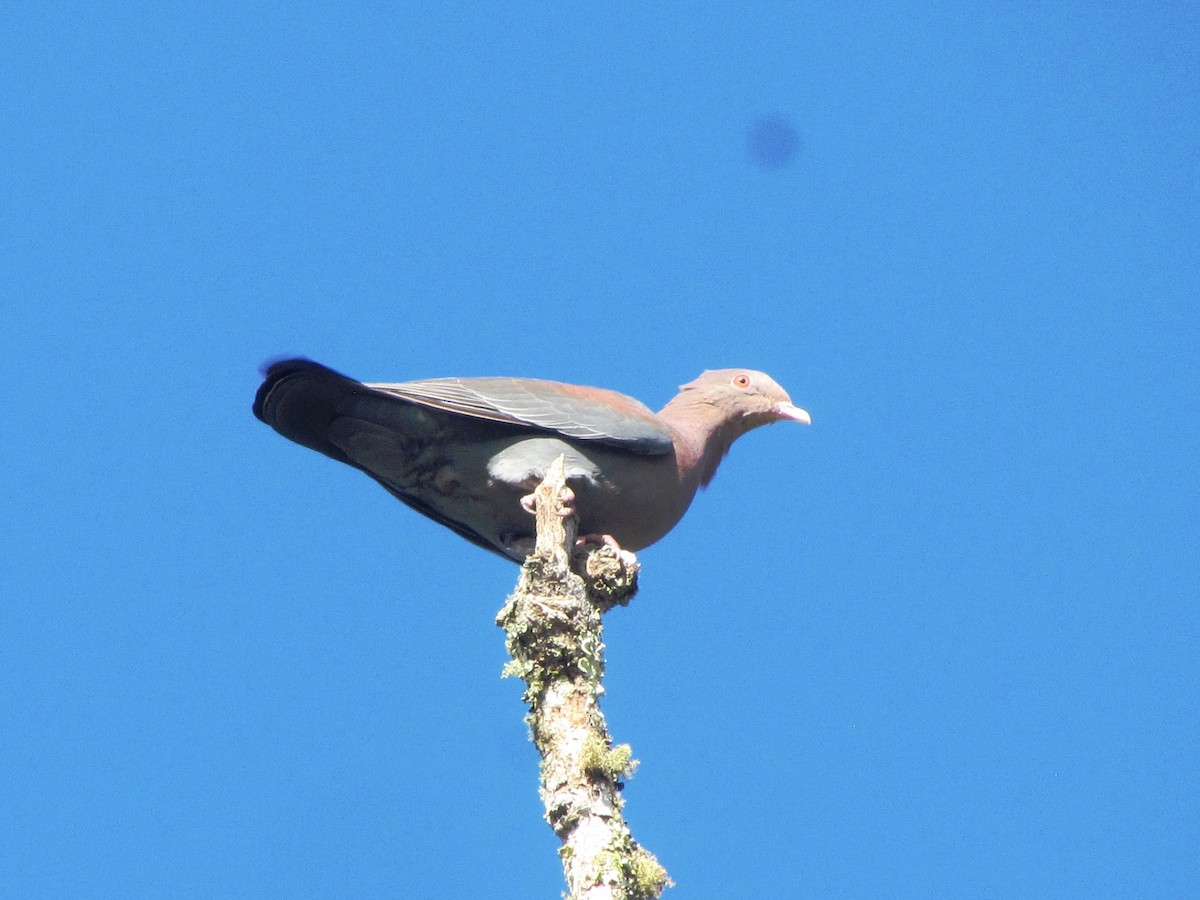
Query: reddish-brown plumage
x,y
464,450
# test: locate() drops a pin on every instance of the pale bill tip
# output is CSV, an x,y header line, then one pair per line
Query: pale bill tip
x,y
795,413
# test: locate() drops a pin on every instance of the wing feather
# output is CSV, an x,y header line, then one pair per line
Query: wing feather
x,y
581,413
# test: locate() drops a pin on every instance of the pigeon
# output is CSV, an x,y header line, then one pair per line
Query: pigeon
x,y
468,452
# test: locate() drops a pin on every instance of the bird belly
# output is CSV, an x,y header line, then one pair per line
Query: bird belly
x,y
633,497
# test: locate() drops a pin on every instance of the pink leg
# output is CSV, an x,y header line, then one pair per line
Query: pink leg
x,y
606,539
566,498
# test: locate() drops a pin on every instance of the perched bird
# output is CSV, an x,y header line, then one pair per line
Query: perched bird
x,y
466,451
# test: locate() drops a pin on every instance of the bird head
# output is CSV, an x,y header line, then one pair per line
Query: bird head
x,y
745,398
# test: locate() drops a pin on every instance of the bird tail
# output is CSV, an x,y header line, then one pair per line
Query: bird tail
x,y
300,399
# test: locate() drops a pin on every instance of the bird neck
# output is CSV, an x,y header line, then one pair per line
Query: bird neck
x,y
703,435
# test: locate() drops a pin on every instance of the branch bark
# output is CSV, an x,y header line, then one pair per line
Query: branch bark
x,y
553,628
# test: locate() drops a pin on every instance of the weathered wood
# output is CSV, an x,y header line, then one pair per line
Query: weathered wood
x,y
553,627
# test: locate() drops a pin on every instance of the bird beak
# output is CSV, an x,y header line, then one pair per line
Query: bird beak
x,y
794,413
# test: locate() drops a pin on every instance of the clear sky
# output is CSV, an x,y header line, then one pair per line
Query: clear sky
x,y
943,643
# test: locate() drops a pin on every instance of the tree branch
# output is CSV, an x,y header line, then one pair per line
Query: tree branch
x,y
553,628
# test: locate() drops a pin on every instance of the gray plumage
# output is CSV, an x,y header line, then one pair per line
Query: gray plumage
x,y
463,451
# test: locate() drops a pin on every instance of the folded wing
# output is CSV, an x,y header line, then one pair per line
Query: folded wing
x,y
581,413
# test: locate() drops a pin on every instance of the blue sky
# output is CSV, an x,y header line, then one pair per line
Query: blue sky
x,y
940,644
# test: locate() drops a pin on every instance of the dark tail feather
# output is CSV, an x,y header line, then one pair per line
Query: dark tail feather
x,y
300,399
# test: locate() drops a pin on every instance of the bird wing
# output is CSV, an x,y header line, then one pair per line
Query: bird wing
x,y
580,413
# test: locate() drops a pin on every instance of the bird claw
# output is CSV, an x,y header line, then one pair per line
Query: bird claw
x,y
566,505
606,540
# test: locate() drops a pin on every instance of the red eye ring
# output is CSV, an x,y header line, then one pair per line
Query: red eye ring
x,y
741,380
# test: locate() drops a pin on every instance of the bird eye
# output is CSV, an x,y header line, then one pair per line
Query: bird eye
x,y
741,380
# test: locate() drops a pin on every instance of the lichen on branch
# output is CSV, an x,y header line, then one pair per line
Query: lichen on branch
x,y
553,629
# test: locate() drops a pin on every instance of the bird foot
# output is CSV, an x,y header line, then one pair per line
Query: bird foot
x,y
566,500
605,540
